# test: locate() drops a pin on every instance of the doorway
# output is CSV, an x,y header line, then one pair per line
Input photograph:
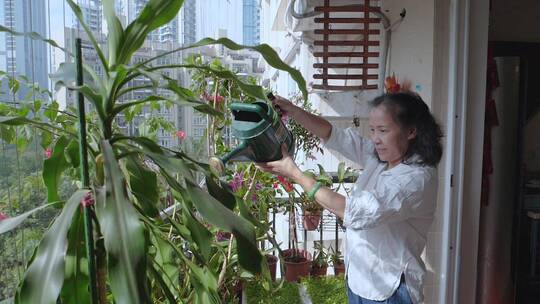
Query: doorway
x,y
508,270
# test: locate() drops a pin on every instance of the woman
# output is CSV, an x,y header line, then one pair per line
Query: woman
x,y
391,206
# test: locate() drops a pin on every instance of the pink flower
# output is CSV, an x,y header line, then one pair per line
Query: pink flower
x,y
212,98
237,181
275,185
88,200
3,216
48,153
180,134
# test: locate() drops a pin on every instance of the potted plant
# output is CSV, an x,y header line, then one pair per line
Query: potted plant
x,y
297,261
320,262
311,213
337,262
112,227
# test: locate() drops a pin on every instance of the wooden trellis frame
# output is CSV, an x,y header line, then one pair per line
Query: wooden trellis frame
x,y
358,25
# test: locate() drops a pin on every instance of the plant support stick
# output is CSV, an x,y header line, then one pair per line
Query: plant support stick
x,y
83,147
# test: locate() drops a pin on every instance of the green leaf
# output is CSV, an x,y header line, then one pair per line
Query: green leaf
x,y
221,192
341,171
155,14
51,112
76,282
72,153
12,222
123,234
53,168
143,185
66,76
78,13
201,236
32,35
216,213
45,274
14,120
7,134
115,31
164,286
268,53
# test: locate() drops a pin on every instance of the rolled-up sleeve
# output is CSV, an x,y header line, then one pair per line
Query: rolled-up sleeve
x,y
391,201
349,143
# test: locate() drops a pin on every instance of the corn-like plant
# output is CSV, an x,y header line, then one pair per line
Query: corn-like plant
x,y
141,257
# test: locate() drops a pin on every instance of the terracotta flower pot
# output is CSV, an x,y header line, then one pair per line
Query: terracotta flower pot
x,y
296,265
311,220
272,261
318,271
339,268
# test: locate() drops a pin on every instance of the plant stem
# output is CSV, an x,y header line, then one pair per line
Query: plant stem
x,y
224,269
83,146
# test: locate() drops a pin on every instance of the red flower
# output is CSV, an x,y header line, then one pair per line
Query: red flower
x,y
288,186
391,84
275,185
48,153
180,134
3,216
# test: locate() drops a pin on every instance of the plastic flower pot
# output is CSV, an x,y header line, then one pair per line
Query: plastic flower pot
x,y
339,268
297,264
311,220
272,261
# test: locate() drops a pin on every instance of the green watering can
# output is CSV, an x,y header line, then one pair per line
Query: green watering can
x,y
261,133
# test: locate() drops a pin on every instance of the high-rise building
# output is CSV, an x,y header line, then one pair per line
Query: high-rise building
x,y
251,22
188,22
92,11
181,29
24,56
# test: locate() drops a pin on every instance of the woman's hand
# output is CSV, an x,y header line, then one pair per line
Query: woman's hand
x,y
285,166
284,106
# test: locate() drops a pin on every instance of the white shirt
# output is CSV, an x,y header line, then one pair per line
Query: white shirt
x,y
387,216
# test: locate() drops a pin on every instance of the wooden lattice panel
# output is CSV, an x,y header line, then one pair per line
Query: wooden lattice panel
x,y
358,72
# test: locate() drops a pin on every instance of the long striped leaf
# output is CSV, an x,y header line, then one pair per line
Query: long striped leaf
x,y
75,288
34,36
268,53
45,274
13,222
53,167
124,235
79,14
155,14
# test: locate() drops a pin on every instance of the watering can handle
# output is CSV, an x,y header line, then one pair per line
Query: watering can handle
x,y
250,107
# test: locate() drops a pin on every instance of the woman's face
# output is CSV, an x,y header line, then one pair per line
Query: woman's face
x,y
390,139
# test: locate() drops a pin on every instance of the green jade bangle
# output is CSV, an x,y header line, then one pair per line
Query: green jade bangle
x,y
313,191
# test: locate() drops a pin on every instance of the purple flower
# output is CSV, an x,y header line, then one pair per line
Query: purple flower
x,y
237,181
258,186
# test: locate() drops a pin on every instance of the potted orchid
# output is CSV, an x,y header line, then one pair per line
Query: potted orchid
x,y
320,262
